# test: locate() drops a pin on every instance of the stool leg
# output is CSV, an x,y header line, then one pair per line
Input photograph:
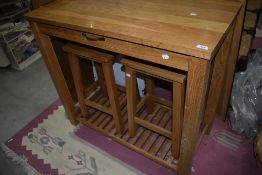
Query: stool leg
x,y
100,75
78,81
112,94
149,91
178,113
131,99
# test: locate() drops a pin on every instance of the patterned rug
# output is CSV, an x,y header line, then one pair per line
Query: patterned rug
x,y
51,145
47,146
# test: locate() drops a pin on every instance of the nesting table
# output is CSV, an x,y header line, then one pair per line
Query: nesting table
x,y
200,38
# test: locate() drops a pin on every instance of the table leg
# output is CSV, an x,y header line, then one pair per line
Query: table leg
x,y
198,75
231,63
217,80
55,71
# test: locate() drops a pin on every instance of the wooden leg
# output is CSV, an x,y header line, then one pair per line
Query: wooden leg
x,y
197,80
149,91
217,82
177,120
112,94
101,80
229,77
55,71
78,81
131,99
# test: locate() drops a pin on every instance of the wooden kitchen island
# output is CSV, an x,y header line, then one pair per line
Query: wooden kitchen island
x,y
199,38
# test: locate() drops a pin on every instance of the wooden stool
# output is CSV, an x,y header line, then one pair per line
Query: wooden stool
x,y
106,80
178,81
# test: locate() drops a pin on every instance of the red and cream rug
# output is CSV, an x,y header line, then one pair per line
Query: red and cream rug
x,y
51,145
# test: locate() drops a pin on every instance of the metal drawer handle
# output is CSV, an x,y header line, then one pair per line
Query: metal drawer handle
x,y
93,39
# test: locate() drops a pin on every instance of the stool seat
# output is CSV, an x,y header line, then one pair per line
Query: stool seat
x,y
89,54
133,106
106,81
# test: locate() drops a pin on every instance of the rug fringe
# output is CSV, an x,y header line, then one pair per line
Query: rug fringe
x,y
19,160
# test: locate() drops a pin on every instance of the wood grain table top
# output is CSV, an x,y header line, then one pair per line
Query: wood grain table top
x,y
188,27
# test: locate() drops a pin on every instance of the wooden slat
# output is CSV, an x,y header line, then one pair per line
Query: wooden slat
x,y
147,133
141,103
103,116
170,159
150,142
109,126
159,143
153,151
94,117
158,117
91,88
133,140
154,136
166,148
105,123
143,138
109,123
127,136
167,117
96,113
162,101
94,94
153,127
123,102
99,107
91,111
118,134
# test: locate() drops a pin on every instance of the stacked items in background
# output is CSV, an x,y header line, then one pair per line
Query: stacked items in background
x,y
251,18
16,37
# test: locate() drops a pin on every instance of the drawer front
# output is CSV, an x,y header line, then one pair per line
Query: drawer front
x,y
146,53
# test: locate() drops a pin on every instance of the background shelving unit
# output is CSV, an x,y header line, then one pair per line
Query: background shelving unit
x,y
253,9
16,37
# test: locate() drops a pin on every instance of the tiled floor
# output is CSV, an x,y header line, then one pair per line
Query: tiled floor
x,y
23,95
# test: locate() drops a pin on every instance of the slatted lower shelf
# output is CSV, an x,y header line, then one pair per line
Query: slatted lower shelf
x,y
146,142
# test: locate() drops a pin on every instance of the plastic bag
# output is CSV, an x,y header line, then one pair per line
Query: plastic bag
x,y
246,97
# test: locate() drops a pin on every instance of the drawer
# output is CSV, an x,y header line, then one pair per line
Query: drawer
x,y
143,52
